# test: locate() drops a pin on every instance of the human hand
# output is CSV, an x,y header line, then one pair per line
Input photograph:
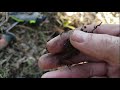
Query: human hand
x,y
6,39
3,42
101,51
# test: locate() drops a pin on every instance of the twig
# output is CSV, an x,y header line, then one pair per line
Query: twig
x,y
95,27
6,19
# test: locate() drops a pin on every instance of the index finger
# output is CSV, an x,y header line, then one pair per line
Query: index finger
x,y
110,29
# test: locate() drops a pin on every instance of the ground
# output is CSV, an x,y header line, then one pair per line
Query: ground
x,y
20,60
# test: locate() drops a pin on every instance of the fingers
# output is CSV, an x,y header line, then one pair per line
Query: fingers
x,y
79,71
56,44
50,61
111,29
3,43
100,46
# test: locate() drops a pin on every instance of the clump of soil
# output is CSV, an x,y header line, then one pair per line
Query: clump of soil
x,y
69,51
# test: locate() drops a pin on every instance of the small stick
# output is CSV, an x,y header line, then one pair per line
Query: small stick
x,y
95,27
6,19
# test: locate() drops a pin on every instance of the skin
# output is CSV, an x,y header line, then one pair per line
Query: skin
x,y
102,49
3,42
6,39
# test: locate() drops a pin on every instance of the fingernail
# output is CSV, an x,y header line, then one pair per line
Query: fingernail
x,y
78,36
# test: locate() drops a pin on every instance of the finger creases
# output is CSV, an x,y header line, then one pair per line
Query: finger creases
x,y
100,46
79,71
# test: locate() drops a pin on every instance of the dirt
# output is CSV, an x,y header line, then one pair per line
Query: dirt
x,y
68,51
19,60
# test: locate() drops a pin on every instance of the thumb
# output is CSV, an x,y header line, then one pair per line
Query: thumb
x,y
100,46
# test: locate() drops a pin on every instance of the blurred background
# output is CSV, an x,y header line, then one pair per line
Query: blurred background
x,y
19,60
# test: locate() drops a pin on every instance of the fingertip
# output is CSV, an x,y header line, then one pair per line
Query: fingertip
x,y
51,74
45,75
48,61
57,74
45,62
54,45
41,62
